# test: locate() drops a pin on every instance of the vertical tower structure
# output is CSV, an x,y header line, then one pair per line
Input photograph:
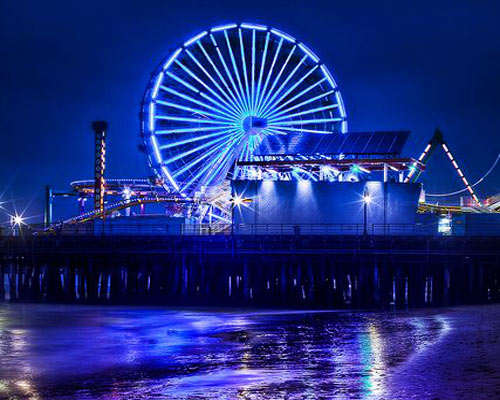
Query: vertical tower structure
x,y
100,128
47,215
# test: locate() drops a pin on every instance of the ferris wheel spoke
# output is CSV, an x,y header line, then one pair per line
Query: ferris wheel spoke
x,y
244,152
198,148
262,66
306,121
311,111
209,165
218,166
303,103
212,79
194,110
228,73
231,96
214,102
197,160
274,104
269,74
186,119
214,93
182,82
191,140
254,142
194,101
186,130
244,64
200,173
265,107
222,106
236,73
276,80
253,71
247,153
301,130
274,131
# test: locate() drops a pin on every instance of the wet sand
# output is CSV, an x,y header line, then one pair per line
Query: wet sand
x,y
76,352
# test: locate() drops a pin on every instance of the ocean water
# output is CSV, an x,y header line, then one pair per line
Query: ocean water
x,y
94,352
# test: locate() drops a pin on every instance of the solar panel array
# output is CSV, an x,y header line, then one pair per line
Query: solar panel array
x,y
352,143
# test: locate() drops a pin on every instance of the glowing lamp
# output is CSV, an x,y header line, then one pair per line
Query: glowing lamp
x,y
238,201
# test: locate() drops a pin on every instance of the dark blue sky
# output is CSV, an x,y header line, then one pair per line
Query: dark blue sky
x,y
399,64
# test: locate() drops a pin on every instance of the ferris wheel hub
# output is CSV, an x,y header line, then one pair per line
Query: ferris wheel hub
x,y
254,125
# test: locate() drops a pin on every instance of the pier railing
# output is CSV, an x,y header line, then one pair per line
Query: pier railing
x,y
155,229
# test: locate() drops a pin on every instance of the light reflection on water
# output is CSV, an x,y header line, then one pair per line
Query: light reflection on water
x,y
72,352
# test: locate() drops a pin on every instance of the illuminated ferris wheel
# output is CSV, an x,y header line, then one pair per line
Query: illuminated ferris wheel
x,y
214,99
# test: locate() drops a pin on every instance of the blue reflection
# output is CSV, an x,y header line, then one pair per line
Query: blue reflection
x,y
74,352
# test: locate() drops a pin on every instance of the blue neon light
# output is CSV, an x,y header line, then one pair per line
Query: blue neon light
x,y
254,26
290,76
308,52
189,98
262,66
194,76
156,149
234,103
197,37
199,102
253,73
283,35
277,79
239,93
292,88
157,85
223,27
183,82
169,177
195,111
305,102
234,100
151,117
171,59
244,64
329,77
269,74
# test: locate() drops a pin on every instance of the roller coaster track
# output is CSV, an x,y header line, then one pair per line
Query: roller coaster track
x,y
120,205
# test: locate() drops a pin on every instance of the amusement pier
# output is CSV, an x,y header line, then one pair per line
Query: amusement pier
x,y
258,195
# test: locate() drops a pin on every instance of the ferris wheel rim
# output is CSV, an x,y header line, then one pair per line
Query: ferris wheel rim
x,y
229,110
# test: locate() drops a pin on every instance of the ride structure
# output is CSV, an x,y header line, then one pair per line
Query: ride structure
x,y
245,102
438,141
214,99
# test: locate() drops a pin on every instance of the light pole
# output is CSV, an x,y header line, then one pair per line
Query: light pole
x,y
16,221
366,200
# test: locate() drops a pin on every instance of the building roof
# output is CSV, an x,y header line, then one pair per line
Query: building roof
x,y
351,143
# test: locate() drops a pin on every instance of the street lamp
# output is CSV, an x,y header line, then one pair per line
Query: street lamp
x,y
16,221
366,200
237,201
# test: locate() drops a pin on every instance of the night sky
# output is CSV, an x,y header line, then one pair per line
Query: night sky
x,y
399,65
